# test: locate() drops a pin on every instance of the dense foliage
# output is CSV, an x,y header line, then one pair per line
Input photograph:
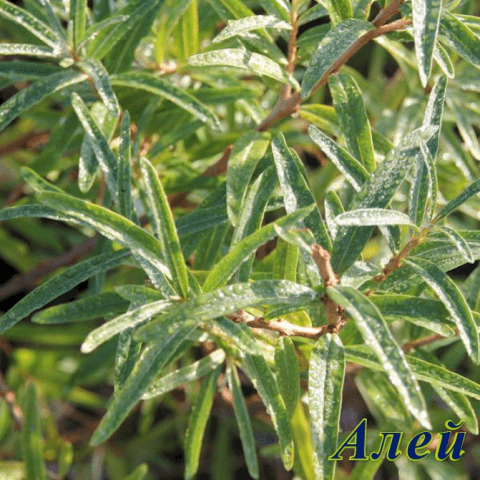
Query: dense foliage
x,y
218,216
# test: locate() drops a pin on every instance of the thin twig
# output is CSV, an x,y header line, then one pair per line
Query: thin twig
x,y
288,329
292,52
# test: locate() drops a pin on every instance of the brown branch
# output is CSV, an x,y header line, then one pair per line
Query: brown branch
x,y
28,281
421,342
288,329
286,107
386,13
292,52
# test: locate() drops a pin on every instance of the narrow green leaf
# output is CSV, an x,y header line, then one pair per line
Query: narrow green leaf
x,y
472,189
111,225
197,421
471,288
458,402
125,202
443,60
243,420
286,260
25,19
418,194
314,13
78,17
372,216
139,473
376,192
325,384
288,375
130,319
32,441
265,384
295,190
239,335
100,78
101,27
460,37
201,219
232,298
138,294
353,119
127,353
152,360
55,25
423,371
453,300
338,10
465,127
227,266
28,50
87,165
243,159
59,284
426,20
353,170
461,244
339,39
244,60
246,24
36,182
377,335
35,93
277,8
95,306
106,158
159,86
165,228
333,208
184,375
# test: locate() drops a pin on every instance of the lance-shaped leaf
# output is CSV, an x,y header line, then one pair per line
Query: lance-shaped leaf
x,y
377,335
426,19
186,374
263,380
153,359
125,203
78,17
32,441
232,298
458,402
288,375
100,78
353,170
105,25
59,284
251,216
372,216
471,288
244,60
295,190
243,420
25,19
55,24
197,421
28,50
377,192
239,335
128,320
165,227
111,225
338,10
246,24
106,158
227,266
472,189
461,244
353,119
35,93
423,371
159,86
453,300
325,384
332,46
95,306
460,37
243,160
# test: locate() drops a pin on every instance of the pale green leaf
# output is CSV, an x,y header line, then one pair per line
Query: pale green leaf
x,y
78,17
236,27
28,50
453,300
96,29
61,283
184,375
372,216
165,227
158,86
36,92
288,374
461,244
338,10
333,45
125,202
244,60
325,384
243,420
472,189
377,336
197,421
426,20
